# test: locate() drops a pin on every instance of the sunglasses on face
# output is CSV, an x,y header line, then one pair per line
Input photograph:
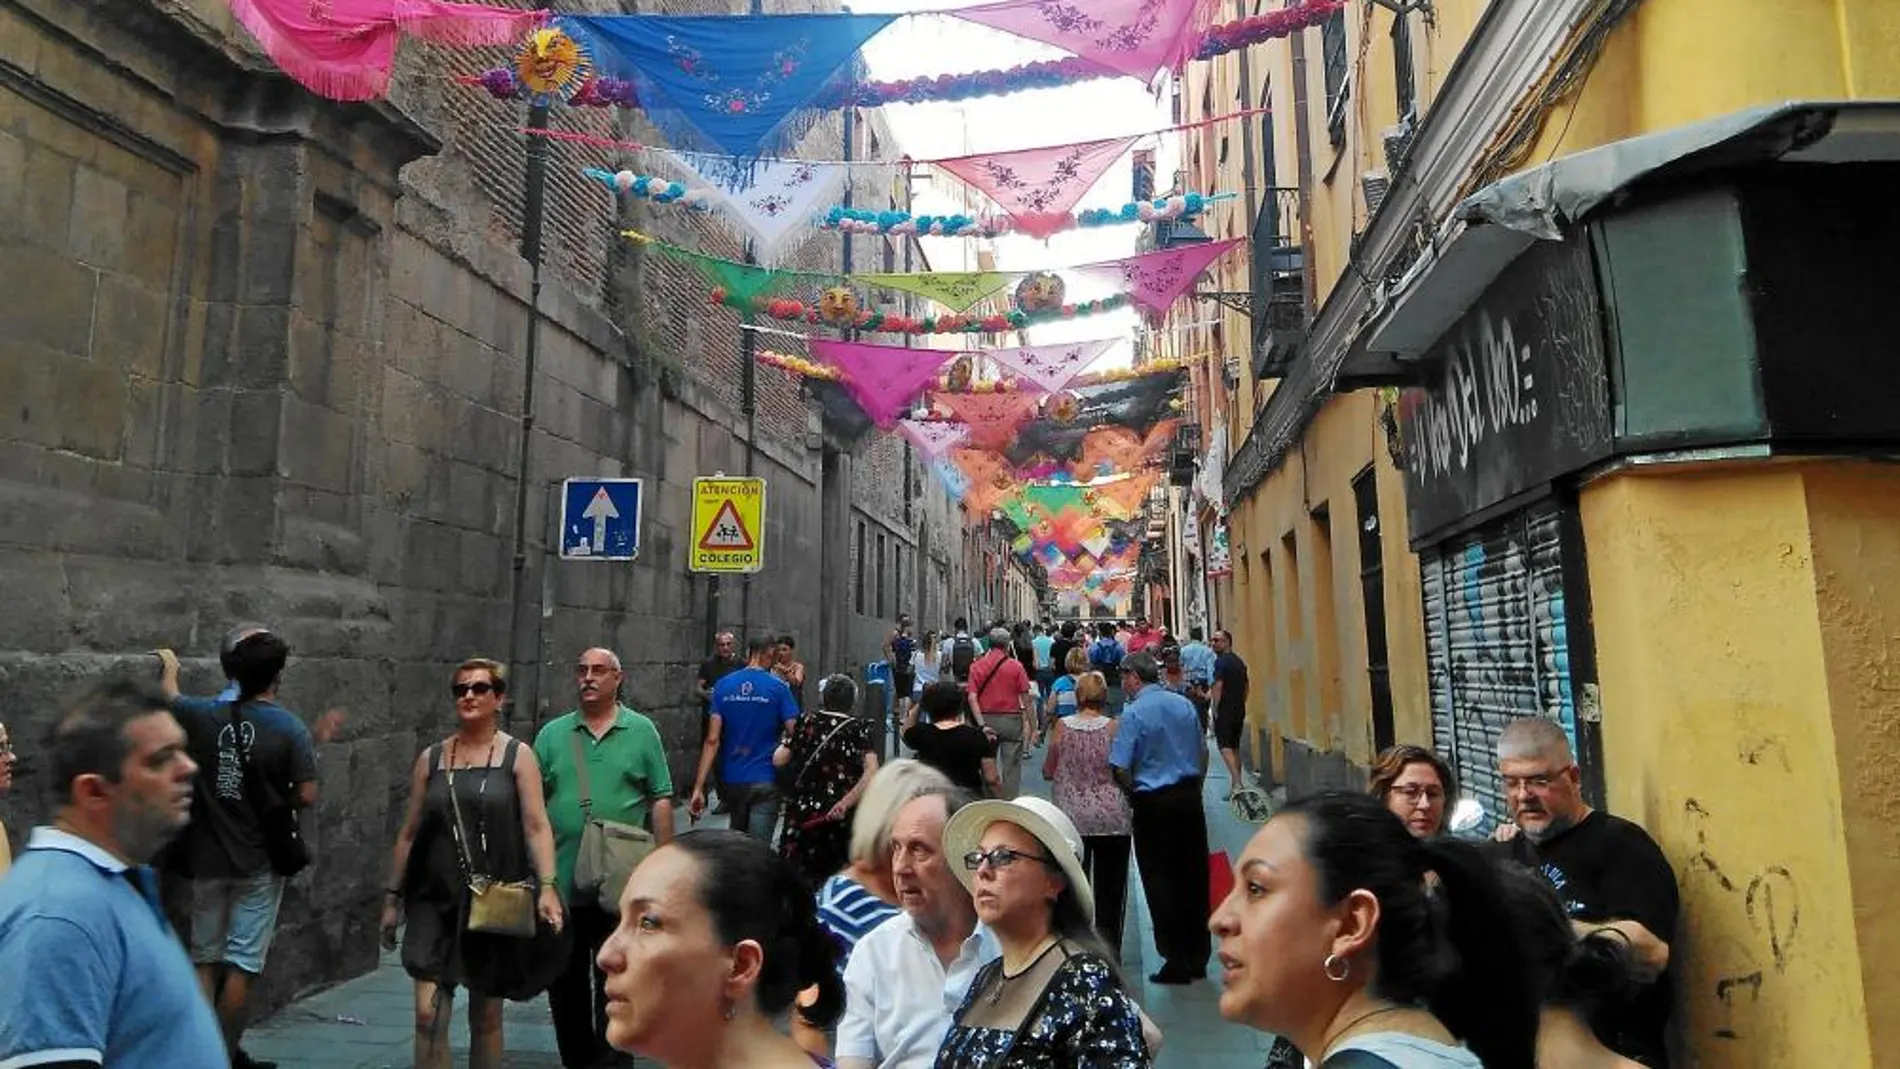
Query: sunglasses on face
x,y
1000,858
477,689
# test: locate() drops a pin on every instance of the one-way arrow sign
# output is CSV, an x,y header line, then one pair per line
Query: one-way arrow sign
x,y
600,519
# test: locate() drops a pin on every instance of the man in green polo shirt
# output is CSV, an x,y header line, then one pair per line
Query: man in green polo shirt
x,y
627,774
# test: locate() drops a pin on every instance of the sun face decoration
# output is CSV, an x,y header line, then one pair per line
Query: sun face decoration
x,y
960,372
838,305
550,62
1063,407
1040,292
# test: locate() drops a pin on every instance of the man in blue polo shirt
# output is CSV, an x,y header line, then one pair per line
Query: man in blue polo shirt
x,y
1159,756
751,709
79,914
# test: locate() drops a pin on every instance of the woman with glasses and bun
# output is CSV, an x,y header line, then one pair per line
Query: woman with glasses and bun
x,y
492,782
1416,785
1054,998
717,935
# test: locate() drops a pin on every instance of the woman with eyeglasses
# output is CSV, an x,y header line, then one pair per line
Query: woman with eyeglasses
x,y
1415,784
1054,998
475,809
6,784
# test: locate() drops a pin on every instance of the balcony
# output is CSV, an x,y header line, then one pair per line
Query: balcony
x,y
1282,301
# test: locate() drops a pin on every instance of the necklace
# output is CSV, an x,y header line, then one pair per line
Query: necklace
x,y
1004,976
1327,1047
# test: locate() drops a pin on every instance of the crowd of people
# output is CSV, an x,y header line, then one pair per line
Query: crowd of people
x,y
867,913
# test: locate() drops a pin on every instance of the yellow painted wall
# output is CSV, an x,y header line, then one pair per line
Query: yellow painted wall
x,y
1747,620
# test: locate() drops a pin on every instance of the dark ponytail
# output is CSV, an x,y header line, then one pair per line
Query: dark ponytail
x,y
1594,977
753,894
1449,949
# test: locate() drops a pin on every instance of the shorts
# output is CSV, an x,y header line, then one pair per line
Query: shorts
x,y
1227,727
233,920
903,684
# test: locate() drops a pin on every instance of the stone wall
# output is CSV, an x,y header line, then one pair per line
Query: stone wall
x,y
263,358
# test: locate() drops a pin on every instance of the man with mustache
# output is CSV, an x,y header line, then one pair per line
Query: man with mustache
x,y
96,976
1607,871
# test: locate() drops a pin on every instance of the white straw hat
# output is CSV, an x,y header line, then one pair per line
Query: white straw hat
x,y
1040,818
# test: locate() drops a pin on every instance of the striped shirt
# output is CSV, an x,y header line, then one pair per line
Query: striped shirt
x,y
848,911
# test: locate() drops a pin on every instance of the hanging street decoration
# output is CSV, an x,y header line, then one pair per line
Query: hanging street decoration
x,y
346,49
550,64
1154,280
991,417
955,290
883,382
743,85
934,438
1138,38
791,310
1051,367
771,201
1038,187
1160,210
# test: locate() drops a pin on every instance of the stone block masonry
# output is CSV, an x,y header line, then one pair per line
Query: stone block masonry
x,y
263,359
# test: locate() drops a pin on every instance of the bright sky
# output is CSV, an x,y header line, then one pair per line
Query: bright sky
x,y
1105,107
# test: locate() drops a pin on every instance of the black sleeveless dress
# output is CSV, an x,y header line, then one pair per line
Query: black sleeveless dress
x,y
435,946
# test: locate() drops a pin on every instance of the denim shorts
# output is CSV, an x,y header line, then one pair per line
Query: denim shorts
x,y
232,920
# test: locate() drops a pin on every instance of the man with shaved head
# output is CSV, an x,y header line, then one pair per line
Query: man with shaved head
x,y
601,762
1607,871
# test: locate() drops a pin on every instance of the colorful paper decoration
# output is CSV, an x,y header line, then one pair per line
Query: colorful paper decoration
x,y
992,417
934,438
1040,292
550,63
955,483
1139,38
738,84
1233,36
1038,187
883,379
1153,280
955,290
838,306
861,221
772,200
346,49
1051,367
788,310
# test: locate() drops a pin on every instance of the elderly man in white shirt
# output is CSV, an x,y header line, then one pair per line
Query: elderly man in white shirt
x,y
907,976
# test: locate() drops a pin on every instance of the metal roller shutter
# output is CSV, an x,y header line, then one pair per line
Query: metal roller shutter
x,y
1497,642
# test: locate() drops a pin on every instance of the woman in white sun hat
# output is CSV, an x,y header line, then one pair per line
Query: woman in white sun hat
x,y
1054,1000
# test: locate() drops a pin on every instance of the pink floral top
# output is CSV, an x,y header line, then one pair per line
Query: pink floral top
x,y
1081,782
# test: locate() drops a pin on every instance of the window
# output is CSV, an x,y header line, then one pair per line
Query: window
x,y
1332,35
858,570
1365,498
1402,66
882,586
890,256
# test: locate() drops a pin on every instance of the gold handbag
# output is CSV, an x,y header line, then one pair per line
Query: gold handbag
x,y
496,907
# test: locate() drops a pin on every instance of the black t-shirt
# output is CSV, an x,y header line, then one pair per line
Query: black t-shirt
x,y
1607,868
1231,673
711,671
225,838
956,752
1059,655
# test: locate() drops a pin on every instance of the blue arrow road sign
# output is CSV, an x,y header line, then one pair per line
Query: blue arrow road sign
x,y
600,519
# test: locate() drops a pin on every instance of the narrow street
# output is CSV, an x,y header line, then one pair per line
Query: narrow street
x,y
365,1023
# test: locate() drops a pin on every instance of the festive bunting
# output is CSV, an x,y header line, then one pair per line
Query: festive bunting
x,y
883,379
1139,38
955,290
934,438
1162,209
1126,498
739,84
1271,25
788,310
955,483
1038,187
1051,366
346,49
992,418
1153,280
772,200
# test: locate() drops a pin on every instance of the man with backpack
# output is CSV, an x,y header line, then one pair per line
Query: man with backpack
x,y
959,652
1105,656
257,766
1000,703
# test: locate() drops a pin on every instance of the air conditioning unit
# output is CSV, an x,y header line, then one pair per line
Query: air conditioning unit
x,y
1398,141
1375,185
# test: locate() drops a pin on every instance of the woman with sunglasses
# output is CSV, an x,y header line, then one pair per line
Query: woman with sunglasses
x,y
475,808
1054,998
1415,784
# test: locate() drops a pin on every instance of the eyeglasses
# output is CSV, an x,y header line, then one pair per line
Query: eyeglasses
x,y
1413,792
1001,857
1539,782
477,689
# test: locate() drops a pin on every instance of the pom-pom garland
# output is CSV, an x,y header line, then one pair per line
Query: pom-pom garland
x,y
596,92
792,310
864,221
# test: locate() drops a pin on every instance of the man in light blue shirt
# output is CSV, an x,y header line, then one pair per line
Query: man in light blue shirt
x,y
1197,659
79,913
1159,756
751,711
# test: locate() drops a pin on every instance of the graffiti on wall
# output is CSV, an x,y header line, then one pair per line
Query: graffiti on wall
x,y
1743,968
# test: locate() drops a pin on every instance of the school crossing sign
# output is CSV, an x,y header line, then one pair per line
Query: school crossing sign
x,y
728,525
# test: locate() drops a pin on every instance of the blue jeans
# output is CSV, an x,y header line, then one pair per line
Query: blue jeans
x,y
754,808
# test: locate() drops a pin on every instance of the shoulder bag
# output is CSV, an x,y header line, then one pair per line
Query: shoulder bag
x,y
609,851
276,817
496,907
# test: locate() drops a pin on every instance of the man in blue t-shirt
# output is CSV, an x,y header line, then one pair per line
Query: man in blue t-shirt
x,y
751,710
94,974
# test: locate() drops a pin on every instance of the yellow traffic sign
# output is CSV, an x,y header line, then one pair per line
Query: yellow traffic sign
x,y
728,525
